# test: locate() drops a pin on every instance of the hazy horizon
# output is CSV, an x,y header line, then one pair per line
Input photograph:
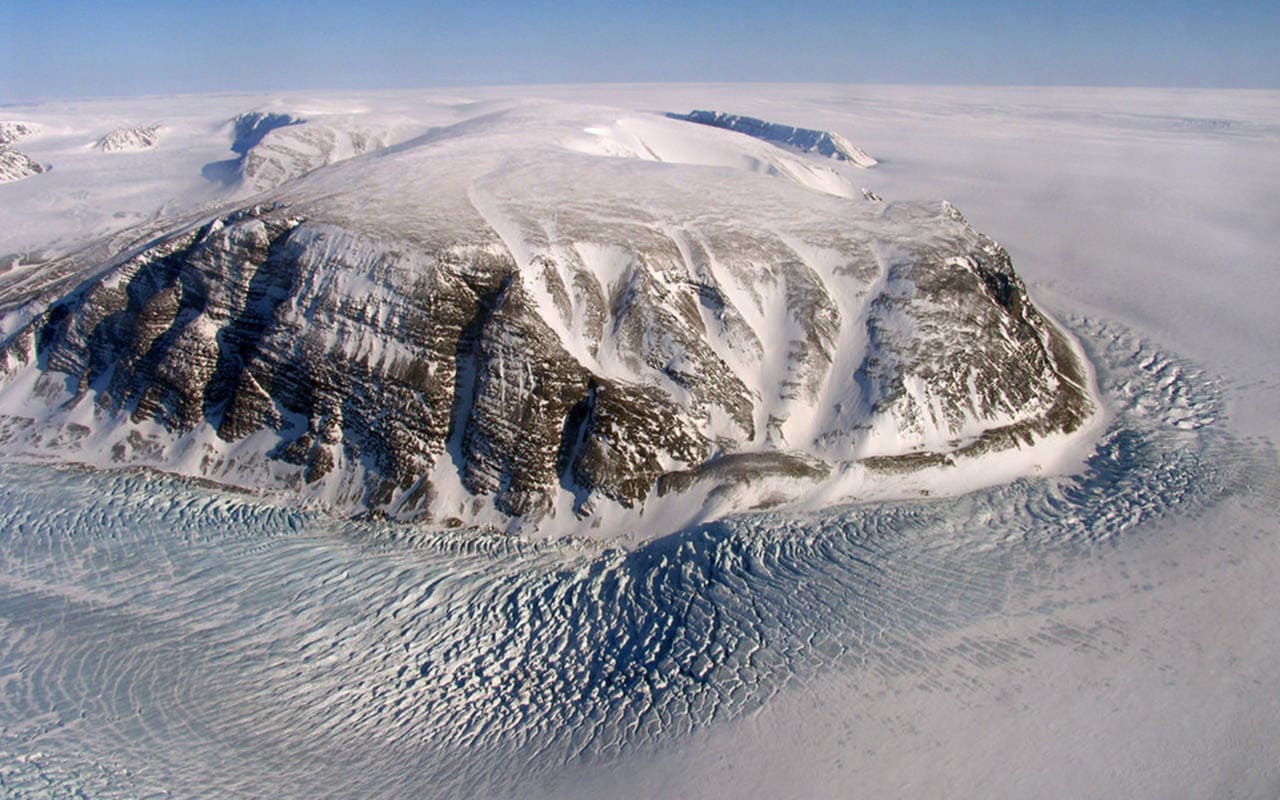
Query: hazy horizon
x,y
72,49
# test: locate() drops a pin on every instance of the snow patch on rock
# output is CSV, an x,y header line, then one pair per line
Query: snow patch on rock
x,y
14,166
12,131
130,140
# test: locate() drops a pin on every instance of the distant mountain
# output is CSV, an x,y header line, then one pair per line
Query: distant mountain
x,y
276,147
546,316
11,131
831,145
129,140
14,166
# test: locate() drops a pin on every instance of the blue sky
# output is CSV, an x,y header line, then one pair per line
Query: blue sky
x,y
71,48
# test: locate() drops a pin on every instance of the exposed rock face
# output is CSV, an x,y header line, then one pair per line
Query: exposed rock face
x,y
14,166
933,375
129,140
546,335
831,145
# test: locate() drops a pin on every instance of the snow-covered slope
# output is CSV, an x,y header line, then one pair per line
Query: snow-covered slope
x,y
201,160
651,138
495,321
275,147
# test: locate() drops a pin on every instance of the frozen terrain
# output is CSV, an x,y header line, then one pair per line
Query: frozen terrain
x,y
547,317
1107,632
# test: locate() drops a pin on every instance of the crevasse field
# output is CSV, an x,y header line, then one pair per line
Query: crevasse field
x,y
1108,633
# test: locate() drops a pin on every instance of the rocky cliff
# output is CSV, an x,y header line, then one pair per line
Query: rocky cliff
x,y
486,324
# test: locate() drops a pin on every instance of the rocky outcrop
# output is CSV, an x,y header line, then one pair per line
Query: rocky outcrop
x,y
248,324
549,335
12,131
14,166
931,376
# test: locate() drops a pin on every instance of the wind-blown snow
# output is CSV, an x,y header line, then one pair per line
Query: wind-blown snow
x,y
1107,634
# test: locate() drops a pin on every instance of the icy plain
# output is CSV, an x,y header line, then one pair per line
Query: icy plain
x,y
1109,633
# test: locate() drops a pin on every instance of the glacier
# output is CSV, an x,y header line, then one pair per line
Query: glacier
x,y
1108,630
179,630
